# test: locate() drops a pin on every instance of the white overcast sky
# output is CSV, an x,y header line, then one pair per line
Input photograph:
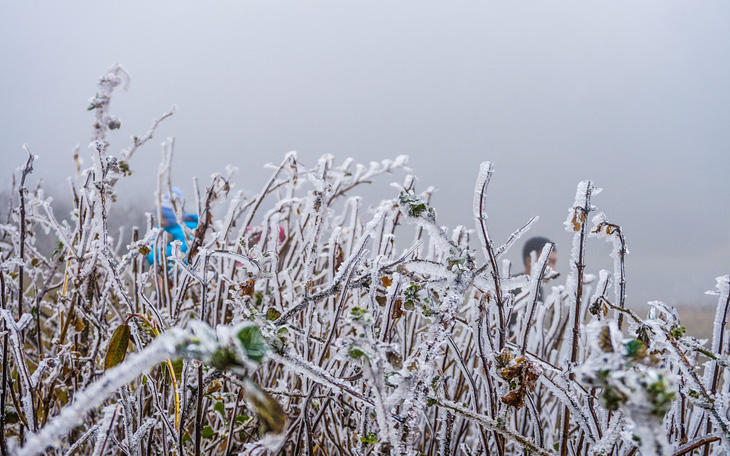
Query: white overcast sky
x,y
634,95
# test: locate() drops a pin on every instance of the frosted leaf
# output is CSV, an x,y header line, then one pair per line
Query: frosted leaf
x,y
603,336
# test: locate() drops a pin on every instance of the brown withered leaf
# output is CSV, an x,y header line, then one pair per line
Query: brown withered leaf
x,y
604,340
213,387
515,398
523,373
576,225
394,359
339,257
578,218
503,359
598,307
247,288
531,376
511,372
397,309
386,281
79,323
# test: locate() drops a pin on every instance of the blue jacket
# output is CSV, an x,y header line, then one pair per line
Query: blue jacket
x,y
191,221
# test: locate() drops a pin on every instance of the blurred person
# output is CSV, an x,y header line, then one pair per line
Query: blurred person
x,y
170,225
536,244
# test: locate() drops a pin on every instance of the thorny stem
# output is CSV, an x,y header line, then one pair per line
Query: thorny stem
x,y
613,229
199,412
126,154
205,219
542,263
622,279
21,193
579,222
487,245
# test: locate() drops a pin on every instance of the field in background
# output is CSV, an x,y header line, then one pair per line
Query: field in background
x,y
697,320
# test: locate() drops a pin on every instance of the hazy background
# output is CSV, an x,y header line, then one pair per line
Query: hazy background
x,y
634,95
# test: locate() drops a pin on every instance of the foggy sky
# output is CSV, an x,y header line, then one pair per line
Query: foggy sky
x,y
634,95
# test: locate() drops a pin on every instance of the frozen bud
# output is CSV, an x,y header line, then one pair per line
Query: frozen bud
x,y
114,123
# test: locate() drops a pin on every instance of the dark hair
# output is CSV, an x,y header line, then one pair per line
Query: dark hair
x,y
533,244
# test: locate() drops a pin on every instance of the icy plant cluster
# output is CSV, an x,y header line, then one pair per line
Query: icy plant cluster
x,y
305,320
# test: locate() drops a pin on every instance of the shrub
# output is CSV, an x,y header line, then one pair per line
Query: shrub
x,y
304,322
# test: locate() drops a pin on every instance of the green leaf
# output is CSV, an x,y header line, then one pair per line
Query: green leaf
x,y
414,206
370,438
241,419
635,349
117,348
258,298
144,326
272,314
207,432
355,352
361,316
678,331
220,408
253,343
